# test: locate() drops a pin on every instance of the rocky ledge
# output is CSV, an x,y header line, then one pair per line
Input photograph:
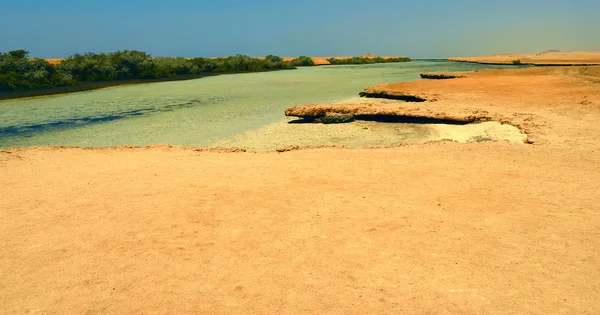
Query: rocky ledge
x,y
381,112
440,76
549,105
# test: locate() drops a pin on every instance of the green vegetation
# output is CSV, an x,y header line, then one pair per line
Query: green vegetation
x,y
19,73
362,60
303,61
23,76
516,62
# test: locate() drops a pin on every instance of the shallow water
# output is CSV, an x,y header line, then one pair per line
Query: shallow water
x,y
194,112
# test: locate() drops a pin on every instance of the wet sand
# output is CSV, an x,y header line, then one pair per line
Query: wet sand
x,y
441,228
372,134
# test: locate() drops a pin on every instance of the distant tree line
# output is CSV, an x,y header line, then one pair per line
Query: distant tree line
x,y
19,72
365,60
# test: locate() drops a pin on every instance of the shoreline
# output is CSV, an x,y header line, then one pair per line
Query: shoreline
x,y
91,86
491,63
97,85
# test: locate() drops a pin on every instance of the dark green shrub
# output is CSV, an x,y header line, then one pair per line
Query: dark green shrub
x,y
362,61
303,61
18,72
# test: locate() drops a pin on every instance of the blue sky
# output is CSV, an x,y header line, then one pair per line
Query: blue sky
x,y
426,28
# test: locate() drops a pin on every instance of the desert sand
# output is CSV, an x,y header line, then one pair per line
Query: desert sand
x,y
550,105
545,58
54,61
436,228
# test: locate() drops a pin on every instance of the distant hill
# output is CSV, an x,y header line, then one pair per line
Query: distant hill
x,y
549,51
551,57
594,48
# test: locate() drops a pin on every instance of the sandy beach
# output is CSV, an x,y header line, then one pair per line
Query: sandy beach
x,y
433,228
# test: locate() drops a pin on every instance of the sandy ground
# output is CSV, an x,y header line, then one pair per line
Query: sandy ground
x,y
548,58
552,105
438,228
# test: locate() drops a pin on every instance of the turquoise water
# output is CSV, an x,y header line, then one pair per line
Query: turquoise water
x,y
194,112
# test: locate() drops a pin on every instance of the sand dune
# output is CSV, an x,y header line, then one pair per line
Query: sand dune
x,y
546,58
54,61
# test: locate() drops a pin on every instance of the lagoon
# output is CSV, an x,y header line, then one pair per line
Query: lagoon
x,y
199,112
